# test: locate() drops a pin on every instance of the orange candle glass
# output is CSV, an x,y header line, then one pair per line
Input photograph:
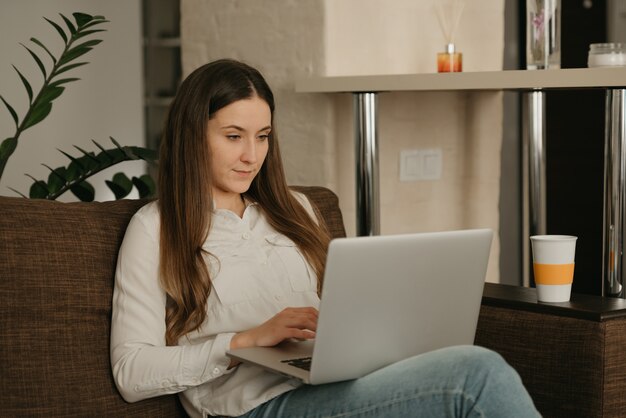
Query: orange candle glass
x,y
449,61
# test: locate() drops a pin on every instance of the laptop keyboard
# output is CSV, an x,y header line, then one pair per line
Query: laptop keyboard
x,y
302,363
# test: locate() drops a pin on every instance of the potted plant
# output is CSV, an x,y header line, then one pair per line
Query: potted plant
x,y
72,177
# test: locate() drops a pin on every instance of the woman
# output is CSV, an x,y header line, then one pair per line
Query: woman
x,y
228,257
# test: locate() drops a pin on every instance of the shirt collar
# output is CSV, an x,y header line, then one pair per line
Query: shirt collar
x,y
246,201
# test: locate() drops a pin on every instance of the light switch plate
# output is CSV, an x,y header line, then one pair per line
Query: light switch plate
x,y
420,164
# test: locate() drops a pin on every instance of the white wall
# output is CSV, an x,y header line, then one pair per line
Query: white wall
x,y
107,101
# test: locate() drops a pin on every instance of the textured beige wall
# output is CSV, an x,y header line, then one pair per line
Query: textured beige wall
x,y
403,36
288,39
284,40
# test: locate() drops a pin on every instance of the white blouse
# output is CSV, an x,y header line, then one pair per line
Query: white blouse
x,y
259,273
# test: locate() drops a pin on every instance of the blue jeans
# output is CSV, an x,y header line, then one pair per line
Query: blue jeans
x,y
464,381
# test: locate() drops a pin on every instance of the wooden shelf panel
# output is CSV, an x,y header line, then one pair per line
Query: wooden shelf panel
x,y
485,80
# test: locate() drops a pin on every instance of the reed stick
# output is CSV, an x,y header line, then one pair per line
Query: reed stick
x,y
449,15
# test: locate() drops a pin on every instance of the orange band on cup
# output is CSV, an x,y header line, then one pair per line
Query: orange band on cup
x,y
553,273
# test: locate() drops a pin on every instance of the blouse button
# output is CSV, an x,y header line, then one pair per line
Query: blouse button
x,y
245,235
216,371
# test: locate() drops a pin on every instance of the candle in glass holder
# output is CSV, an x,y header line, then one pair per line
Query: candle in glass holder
x,y
607,55
450,61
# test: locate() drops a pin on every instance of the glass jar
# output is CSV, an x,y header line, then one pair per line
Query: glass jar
x,y
607,55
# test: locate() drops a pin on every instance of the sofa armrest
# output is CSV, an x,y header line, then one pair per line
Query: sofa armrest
x,y
571,356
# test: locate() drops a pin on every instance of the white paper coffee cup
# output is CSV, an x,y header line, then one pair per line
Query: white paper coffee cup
x,y
553,266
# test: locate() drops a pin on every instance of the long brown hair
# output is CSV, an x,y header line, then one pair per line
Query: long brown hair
x,y
185,191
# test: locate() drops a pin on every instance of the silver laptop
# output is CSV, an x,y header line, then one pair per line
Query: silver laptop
x,y
386,298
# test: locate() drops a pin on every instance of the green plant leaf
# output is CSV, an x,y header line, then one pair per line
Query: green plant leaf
x,y
129,152
18,192
118,191
50,93
108,154
146,154
117,144
145,186
75,170
123,180
72,54
38,114
89,160
62,81
29,89
94,23
89,44
73,159
38,190
120,185
34,40
111,157
80,169
82,18
87,32
56,179
37,60
7,147
11,111
69,67
89,155
58,28
69,24
84,191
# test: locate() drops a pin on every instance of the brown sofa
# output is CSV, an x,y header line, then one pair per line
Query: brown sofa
x,y
57,264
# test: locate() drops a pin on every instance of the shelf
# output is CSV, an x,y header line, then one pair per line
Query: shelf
x,y
162,64
483,80
533,83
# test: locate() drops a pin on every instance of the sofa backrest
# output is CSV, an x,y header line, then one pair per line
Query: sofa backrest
x,y
57,266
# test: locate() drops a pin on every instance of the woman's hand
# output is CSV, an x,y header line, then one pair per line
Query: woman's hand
x,y
299,323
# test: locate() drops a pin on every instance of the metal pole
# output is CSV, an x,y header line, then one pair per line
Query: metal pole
x,y
534,134
614,192
366,141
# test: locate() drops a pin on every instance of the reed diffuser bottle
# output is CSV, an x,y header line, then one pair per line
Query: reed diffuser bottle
x,y
450,61
449,15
